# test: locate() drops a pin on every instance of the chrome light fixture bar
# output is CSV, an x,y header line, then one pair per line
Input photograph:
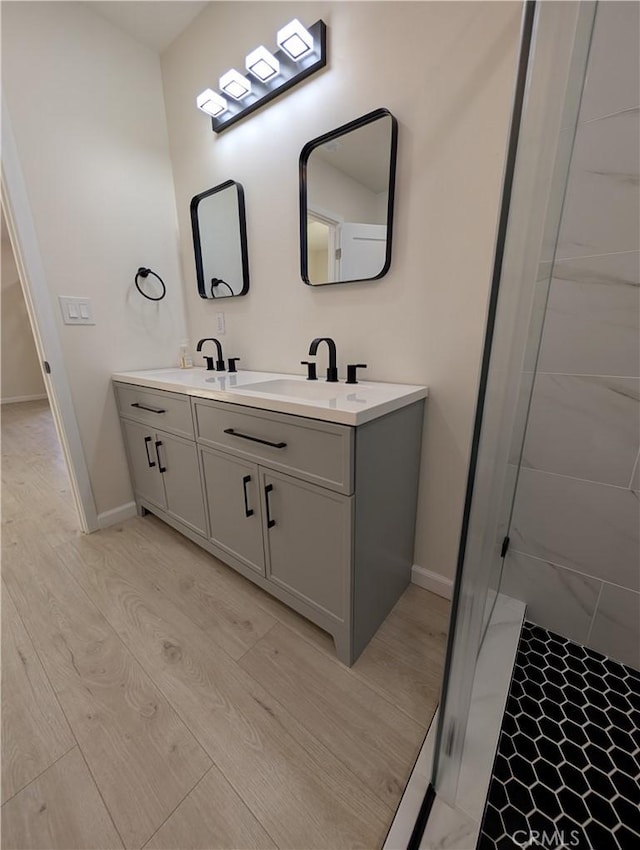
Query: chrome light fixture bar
x,y
271,79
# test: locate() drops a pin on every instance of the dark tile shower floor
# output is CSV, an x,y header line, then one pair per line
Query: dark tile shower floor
x,y
567,769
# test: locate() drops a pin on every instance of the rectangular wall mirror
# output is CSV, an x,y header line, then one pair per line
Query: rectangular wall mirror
x,y
347,180
220,241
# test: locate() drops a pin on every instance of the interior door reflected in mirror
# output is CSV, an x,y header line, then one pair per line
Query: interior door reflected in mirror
x,y
347,180
220,241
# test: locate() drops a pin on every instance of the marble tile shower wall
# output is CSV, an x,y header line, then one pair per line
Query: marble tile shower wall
x,y
575,556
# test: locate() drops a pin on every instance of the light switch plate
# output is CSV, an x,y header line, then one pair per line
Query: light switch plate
x,y
220,323
76,310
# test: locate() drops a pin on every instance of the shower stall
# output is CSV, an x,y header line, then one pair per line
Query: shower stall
x,y
551,513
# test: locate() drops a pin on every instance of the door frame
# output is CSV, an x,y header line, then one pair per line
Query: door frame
x,y
333,222
33,281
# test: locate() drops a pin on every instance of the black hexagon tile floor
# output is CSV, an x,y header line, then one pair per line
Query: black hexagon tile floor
x,y
567,768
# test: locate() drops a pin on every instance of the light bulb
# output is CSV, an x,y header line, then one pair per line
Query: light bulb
x,y
211,103
262,64
235,84
295,40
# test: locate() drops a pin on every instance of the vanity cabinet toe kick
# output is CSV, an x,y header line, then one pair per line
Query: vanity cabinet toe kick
x,y
319,515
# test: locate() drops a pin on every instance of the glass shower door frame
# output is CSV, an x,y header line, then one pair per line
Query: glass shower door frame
x,y
555,42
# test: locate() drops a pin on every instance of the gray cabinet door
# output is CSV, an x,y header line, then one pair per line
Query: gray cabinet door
x,y
143,462
181,475
308,542
233,501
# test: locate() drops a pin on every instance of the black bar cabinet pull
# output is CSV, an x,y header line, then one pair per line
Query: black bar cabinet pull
x,y
254,439
247,510
149,409
267,490
160,466
147,440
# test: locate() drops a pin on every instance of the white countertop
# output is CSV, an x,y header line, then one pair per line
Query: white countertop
x,y
346,404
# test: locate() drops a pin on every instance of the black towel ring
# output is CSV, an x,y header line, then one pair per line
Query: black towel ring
x,y
217,281
142,272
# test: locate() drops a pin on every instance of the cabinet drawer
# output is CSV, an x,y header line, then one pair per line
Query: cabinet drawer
x,y
320,452
167,411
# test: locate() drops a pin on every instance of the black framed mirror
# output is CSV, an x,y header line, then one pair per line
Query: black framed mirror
x,y
219,228
347,186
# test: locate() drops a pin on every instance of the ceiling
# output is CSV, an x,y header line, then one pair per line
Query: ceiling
x,y
155,23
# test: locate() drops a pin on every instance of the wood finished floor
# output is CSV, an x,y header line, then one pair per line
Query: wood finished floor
x,y
152,697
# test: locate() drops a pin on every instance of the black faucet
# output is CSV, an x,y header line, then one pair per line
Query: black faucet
x,y
209,360
311,369
352,376
332,371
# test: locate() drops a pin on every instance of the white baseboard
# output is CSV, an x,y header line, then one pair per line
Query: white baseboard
x,y
18,398
116,515
434,582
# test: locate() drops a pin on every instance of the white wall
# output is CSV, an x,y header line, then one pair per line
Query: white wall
x,y
446,71
21,373
87,112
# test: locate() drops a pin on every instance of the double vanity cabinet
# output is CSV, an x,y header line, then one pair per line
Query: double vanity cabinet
x,y
310,492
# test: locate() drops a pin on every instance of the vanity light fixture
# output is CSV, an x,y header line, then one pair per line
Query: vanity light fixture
x,y
235,84
295,40
301,53
262,64
211,103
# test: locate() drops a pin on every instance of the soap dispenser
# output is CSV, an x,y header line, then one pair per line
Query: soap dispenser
x,y
185,360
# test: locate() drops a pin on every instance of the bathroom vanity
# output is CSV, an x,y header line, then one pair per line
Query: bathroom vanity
x,y
308,489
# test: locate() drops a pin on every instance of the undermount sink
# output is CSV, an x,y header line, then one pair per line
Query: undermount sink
x,y
312,390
